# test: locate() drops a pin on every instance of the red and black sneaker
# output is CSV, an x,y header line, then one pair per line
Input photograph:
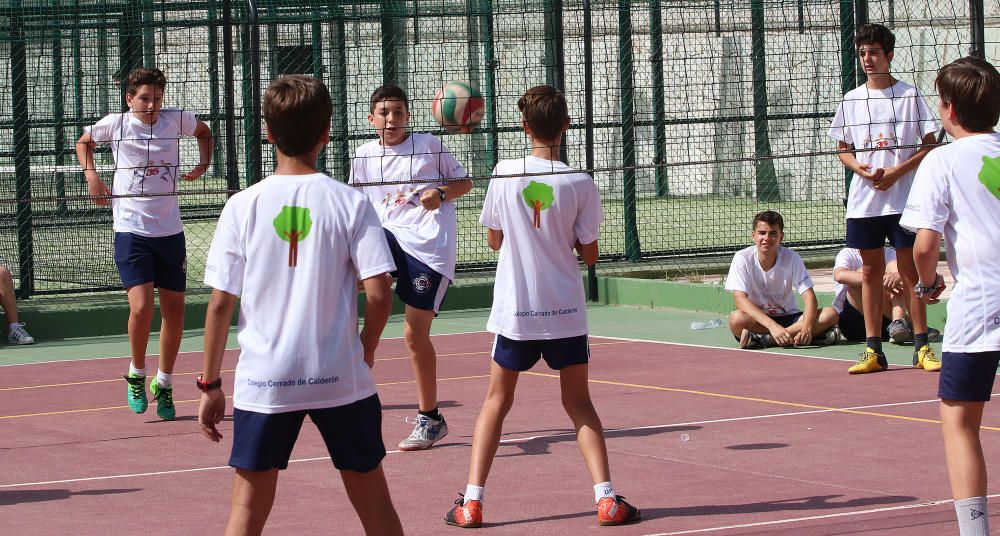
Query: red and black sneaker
x,y
616,512
468,515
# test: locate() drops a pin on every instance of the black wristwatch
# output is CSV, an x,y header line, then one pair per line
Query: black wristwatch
x,y
441,194
210,385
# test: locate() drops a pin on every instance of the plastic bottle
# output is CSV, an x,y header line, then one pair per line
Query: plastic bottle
x,y
707,324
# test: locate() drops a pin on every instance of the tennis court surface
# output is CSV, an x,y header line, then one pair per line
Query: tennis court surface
x,y
703,438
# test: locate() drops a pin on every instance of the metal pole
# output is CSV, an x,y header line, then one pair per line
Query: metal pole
x,y
392,32
588,114
977,23
58,116
148,38
254,157
317,69
490,85
766,176
659,99
213,83
626,102
848,65
341,123
554,55
860,19
22,158
229,99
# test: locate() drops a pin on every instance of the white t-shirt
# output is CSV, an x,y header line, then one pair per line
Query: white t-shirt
x,y
298,326
147,160
773,291
427,235
881,119
957,193
850,258
538,292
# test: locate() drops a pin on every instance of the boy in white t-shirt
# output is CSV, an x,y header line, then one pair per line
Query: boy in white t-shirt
x,y
293,247
764,279
8,299
412,180
883,130
848,302
149,236
957,194
539,310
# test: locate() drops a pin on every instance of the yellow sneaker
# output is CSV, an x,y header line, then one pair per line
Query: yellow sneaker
x,y
926,359
869,361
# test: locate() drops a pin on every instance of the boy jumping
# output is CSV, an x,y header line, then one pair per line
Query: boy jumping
x,y
957,193
412,181
536,222
149,236
883,130
764,279
294,246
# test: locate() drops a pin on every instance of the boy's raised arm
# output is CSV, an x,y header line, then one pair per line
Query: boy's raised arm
x,y
99,191
205,145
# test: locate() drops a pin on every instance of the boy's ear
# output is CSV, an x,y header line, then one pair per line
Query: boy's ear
x,y
527,129
888,57
267,133
565,126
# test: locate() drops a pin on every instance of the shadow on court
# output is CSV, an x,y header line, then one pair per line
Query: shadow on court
x,y
540,445
801,504
8,498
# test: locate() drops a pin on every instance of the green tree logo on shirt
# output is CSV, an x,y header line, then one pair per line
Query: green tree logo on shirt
x,y
292,225
990,175
538,196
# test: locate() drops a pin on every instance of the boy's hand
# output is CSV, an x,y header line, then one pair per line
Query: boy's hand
x,y
196,172
781,335
211,410
430,199
865,171
892,282
804,337
890,176
99,192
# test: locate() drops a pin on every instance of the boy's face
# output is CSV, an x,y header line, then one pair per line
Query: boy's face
x,y
767,237
146,103
389,120
874,59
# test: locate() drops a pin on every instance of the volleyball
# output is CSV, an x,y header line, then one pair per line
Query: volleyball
x,y
458,107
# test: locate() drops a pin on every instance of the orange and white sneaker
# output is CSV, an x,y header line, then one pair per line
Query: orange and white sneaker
x,y
468,515
616,512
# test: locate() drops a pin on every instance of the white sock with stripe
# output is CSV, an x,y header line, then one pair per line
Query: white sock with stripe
x,y
602,490
472,493
973,518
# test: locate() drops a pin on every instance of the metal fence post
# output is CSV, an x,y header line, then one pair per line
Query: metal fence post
x,y
588,115
555,61
392,35
848,65
22,157
338,79
229,99
58,116
213,81
253,117
633,249
977,30
766,176
659,129
489,85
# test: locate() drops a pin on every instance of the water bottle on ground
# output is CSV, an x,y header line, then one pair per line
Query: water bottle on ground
x,y
707,324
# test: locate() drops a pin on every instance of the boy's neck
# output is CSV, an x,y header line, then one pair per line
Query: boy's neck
x,y
304,164
768,260
546,149
880,81
400,142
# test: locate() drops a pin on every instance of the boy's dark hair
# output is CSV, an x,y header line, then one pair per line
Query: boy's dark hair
x,y
972,87
297,110
142,76
871,34
771,218
388,92
544,109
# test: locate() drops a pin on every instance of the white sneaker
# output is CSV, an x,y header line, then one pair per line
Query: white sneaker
x,y
18,335
425,433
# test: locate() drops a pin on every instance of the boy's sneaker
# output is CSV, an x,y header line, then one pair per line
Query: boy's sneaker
x,y
425,433
136,394
933,334
869,361
467,516
18,335
926,359
616,512
754,341
828,337
900,331
164,397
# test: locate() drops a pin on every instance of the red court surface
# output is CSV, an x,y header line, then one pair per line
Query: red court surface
x,y
704,441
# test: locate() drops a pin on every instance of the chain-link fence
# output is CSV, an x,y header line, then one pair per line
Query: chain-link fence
x,y
692,115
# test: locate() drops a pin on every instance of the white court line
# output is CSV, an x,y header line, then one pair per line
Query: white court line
x,y
928,504
199,351
511,440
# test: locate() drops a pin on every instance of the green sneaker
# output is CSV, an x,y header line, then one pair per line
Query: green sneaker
x,y
164,397
136,393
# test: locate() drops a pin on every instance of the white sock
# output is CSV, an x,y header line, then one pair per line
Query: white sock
x,y
973,519
472,493
163,379
13,325
136,371
602,490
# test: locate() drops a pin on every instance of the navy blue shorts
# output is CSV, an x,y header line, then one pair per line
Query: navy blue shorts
x,y
352,433
417,284
852,324
871,233
787,320
967,377
159,260
558,353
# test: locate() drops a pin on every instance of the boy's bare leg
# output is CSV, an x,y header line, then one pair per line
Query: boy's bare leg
x,y
140,305
960,423
417,332
908,271
171,327
872,271
253,496
8,298
489,424
589,431
738,321
369,494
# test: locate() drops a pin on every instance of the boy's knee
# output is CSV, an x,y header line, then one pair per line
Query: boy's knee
x,y
738,320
